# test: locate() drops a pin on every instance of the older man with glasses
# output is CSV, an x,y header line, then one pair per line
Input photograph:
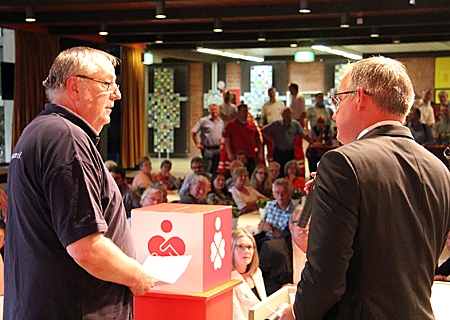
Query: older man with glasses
x,y
379,207
70,253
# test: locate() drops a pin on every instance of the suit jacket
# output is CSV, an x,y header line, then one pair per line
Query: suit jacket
x,y
243,296
380,218
275,262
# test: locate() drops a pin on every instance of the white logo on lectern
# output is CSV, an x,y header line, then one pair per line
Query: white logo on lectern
x,y
218,246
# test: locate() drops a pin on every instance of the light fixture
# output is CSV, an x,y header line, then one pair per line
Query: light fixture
x,y
230,54
396,40
344,20
304,6
159,38
261,36
30,15
304,56
412,2
337,52
218,25
147,58
374,32
360,21
293,45
103,30
160,9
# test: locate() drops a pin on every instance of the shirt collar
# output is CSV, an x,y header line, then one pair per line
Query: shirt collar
x,y
379,124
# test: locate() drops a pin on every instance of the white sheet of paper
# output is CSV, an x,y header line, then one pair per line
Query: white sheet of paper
x,y
168,269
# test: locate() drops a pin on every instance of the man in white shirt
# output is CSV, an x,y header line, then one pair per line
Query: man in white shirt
x,y
271,111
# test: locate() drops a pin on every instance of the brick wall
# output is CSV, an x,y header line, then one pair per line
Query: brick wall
x,y
421,72
310,76
234,75
195,103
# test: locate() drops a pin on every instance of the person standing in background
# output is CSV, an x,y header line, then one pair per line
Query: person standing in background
x,y
298,108
271,111
69,253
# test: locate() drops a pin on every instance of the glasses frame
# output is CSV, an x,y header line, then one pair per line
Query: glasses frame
x,y
337,101
107,83
241,247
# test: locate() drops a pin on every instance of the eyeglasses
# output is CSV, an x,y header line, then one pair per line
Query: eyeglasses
x,y
242,247
114,86
337,101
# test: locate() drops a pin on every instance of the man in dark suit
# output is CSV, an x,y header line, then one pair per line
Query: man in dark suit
x,y
276,257
380,207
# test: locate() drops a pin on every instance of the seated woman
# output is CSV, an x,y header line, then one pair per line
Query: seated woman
x,y
219,193
199,186
245,196
166,177
152,196
292,172
245,267
261,182
143,178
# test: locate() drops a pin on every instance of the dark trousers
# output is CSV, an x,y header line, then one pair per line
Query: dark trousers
x,y
283,157
211,157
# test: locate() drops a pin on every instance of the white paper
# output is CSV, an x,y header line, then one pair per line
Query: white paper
x,y
167,269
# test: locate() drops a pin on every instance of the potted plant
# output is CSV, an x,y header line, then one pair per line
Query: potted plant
x,y
235,213
261,203
296,197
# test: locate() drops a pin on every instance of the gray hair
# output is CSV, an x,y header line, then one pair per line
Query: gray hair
x,y
199,178
282,182
73,61
386,80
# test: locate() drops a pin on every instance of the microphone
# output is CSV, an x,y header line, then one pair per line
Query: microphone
x,y
307,208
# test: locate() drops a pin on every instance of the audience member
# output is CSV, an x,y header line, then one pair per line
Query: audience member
x,y
130,198
441,130
420,131
284,133
318,110
292,174
379,206
160,186
144,177
211,130
233,166
3,204
272,109
69,251
261,182
152,196
110,164
199,186
274,171
298,105
443,101
245,267
282,260
320,136
197,167
166,177
426,110
227,110
242,157
242,135
244,195
233,98
219,193
278,210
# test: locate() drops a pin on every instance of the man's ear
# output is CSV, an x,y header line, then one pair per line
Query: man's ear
x,y
72,86
361,99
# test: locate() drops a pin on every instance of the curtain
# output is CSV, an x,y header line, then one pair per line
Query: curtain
x,y
34,54
134,117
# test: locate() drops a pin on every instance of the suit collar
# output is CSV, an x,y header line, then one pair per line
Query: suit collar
x,y
389,130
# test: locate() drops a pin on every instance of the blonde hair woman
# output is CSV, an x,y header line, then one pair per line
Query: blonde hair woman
x,y
245,267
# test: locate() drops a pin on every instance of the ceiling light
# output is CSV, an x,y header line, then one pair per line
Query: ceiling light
x,y
160,9
360,21
337,52
159,38
261,36
103,30
344,20
230,55
30,14
293,45
374,32
396,40
412,2
218,25
304,6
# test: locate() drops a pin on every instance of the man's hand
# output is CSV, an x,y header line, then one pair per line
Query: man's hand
x,y
200,146
145,284
287,314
